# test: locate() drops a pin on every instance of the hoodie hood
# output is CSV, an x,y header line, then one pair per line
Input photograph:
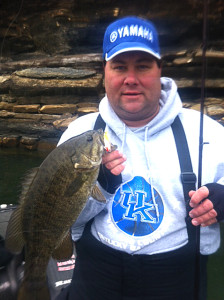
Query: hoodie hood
x,y
169,98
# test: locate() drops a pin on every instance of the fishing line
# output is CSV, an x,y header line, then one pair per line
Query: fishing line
x,y
10,25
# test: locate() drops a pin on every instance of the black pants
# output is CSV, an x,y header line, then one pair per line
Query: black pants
x,y
102,273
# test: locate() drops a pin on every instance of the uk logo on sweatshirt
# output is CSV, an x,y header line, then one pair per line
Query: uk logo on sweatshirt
x,y
137,208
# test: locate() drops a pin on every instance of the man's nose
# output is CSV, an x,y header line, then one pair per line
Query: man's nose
x,y
131,78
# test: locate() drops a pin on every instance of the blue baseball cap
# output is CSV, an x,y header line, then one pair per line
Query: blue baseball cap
x,y
130,34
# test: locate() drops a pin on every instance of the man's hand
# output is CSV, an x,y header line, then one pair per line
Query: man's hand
x,y
113,161
203,212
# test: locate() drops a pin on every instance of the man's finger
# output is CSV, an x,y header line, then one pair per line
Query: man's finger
x,y
198,196
110,156
114,163
117,170
206,219
204,207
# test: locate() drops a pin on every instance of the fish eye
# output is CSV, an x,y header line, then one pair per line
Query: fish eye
x,y
89,138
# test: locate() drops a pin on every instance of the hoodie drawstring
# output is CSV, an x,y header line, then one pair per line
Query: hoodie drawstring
x,y
148,175
124,138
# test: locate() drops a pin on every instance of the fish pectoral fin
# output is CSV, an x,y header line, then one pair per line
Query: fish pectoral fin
x,y
97,194
14,240
65,249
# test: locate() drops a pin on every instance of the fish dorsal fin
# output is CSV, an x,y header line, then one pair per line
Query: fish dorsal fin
x,y
14,240
65,249
27,182
97,194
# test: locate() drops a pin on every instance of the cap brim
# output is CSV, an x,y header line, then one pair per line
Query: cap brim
x,y
127,47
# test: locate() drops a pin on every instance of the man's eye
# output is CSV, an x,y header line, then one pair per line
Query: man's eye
x,y
143,67
119,68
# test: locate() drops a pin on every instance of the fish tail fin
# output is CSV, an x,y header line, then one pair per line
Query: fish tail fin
x,y
32,291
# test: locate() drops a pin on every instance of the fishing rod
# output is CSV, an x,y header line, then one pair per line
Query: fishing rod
x,y
201,143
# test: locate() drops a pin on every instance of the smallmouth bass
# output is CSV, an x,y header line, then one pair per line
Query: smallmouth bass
x,y
52,198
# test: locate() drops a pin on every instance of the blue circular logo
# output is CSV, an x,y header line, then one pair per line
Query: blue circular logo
x,y
113,36
137,208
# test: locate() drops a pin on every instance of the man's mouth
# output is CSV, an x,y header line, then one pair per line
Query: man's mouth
x,y
131,93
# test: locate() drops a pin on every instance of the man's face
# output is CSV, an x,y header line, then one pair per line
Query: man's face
x,y
132,83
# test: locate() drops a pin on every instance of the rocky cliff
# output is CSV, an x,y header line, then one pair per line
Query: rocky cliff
x,y
51,68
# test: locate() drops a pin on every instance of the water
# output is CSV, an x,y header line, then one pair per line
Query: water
x,y
15,163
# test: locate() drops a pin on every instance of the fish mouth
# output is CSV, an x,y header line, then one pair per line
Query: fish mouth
x,y
88,162
96,161
91,160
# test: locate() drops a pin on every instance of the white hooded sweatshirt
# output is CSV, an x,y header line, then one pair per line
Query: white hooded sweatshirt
x,y
146,214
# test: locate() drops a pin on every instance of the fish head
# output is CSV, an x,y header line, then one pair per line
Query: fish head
x,y
89,150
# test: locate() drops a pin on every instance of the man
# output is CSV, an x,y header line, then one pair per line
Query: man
x,y
138,245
